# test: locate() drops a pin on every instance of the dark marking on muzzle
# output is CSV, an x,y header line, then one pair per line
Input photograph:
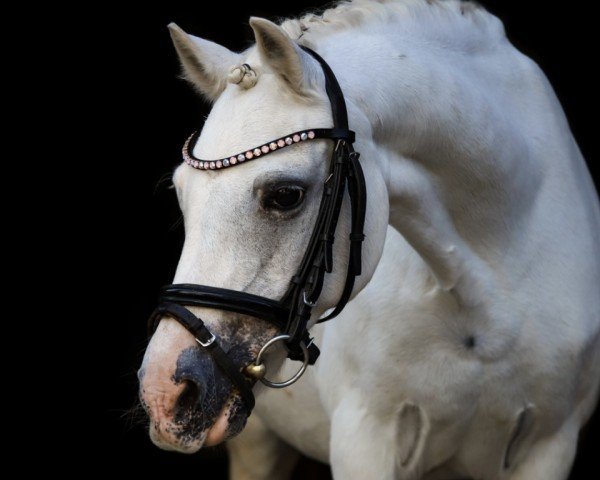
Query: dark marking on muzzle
x,y
205,394
208,390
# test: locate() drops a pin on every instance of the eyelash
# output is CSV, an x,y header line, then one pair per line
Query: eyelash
x,y
270,200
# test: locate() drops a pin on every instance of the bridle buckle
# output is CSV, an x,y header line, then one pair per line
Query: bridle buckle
x,y
306,301
209,342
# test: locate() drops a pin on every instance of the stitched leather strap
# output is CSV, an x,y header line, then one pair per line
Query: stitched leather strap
x,y
318,259
357,191
223,299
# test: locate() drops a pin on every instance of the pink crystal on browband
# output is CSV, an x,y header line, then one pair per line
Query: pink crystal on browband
x,y
259,151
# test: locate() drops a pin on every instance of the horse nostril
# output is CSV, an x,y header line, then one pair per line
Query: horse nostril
x,y
192,395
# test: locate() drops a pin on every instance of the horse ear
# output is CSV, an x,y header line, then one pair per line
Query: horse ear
x,y
204,64
280,52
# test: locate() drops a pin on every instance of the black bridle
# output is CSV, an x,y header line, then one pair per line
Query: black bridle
x,y
291,314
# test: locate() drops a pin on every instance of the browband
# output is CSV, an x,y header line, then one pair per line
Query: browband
x,y
261,150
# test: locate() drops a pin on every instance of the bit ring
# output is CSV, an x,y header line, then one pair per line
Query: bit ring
x,y
298,374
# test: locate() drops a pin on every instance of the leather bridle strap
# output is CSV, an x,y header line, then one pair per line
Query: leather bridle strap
x,y
357,191
209,343
223,299
318,259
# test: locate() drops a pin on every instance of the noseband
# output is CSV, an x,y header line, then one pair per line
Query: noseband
x,y
291,314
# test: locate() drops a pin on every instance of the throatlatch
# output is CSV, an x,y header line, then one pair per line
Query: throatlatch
x,y
292,313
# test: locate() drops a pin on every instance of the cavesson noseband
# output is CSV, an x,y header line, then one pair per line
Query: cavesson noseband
x,y
290,314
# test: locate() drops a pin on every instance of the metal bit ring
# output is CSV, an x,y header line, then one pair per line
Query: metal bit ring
x,y
298,374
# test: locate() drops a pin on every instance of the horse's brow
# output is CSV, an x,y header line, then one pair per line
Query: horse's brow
x,y
278,176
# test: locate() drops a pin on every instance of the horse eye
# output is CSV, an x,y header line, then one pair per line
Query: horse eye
x,y
285,198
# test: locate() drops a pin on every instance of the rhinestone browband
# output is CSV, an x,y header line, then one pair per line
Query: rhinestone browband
x,y
253,153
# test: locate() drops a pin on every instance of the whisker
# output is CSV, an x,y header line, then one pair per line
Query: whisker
x,y
166,178
135,416
177,223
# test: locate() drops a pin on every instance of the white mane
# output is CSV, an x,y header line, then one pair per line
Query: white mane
x,y
440,21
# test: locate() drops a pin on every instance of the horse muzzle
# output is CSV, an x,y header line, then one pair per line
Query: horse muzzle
x,y
189,400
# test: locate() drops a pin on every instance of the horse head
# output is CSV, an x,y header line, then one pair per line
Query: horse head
x,y
247,228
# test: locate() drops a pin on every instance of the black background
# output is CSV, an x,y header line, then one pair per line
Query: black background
x,y
152,112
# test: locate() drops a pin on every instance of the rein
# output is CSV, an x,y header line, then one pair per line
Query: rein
x,y
291,314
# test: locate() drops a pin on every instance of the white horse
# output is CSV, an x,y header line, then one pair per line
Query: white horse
x,y
474,350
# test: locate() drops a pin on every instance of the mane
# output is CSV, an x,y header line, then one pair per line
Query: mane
x,y
442,20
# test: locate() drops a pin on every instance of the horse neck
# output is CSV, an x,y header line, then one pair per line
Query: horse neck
x,y
468,119
473,145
